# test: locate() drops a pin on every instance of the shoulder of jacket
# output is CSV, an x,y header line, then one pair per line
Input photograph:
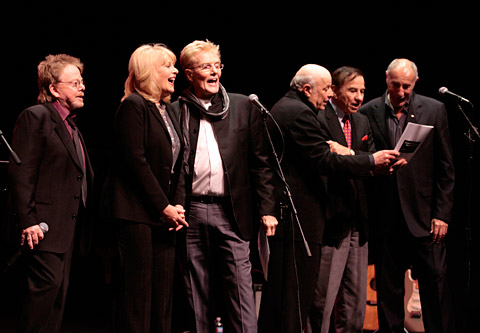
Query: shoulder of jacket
x,y
426,100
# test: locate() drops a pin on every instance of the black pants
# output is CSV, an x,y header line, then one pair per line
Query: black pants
x,y
145,279
287,296
47,283
396,252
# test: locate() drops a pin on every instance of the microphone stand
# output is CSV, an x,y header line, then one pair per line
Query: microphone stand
x,y
12,152
266,114
471,134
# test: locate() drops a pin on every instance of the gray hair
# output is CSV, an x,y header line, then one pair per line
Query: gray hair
x,y
299,81
402,61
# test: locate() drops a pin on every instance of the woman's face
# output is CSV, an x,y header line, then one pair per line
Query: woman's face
x,y
166,75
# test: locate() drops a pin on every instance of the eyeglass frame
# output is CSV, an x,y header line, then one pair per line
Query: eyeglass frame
x,y
209,67
75,83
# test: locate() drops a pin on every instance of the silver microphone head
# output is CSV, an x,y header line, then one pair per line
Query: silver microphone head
x,y
442,90
252,97
44,227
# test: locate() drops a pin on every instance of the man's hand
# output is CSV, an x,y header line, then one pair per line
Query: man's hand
x,y
335,147
438,230
33,235
269,223
175,217
386,161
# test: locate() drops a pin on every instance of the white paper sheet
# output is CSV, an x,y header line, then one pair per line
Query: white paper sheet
x,y
413,135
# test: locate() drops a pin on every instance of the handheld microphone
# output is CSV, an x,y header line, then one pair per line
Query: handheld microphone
x,y
254,100
23,248
445,91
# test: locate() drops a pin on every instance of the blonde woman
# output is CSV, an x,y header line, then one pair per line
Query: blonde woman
x,y
139,192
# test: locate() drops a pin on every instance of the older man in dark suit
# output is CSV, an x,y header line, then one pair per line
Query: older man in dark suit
x,y
411,210
229,188
50,186
341,283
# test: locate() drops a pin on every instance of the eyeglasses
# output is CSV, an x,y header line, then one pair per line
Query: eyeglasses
x,y
208,67
75,84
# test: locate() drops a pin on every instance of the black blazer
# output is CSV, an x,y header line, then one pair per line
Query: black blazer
x,y
425,185
244,151
139,183
47,186
346,197
306,158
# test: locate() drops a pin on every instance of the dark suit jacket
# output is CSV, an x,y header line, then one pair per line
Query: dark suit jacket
x,y
425,185
346,197
244,151
306,158
47,186
139,184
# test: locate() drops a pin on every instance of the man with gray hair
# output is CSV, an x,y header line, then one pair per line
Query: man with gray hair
x,y
292,274
413,207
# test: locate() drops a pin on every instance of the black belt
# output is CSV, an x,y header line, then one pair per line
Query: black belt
x,y
207,199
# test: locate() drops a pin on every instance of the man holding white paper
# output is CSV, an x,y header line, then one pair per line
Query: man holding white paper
x,y
411,209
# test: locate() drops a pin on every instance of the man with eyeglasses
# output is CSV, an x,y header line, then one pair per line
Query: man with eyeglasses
x,y
50,186
228,189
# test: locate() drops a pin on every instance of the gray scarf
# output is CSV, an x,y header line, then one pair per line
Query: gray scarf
x,y
212,114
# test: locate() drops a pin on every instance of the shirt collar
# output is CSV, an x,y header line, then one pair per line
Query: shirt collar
x,y
63,111
389,106
338,111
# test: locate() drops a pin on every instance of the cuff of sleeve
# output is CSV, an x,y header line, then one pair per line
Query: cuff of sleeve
x,y
372,162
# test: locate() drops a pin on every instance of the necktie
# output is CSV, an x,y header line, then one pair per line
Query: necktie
x,y
347,130
79,151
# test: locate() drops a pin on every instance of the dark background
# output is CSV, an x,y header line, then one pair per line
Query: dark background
x,y
262,48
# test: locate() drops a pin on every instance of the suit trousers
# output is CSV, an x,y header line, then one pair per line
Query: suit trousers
x,y
145,279
287,295
341,287
397,251
216,253
47,282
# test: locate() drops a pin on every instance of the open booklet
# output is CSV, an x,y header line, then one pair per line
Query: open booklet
x,y
413,135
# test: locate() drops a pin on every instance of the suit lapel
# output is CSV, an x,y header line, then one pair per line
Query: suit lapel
x,y
380,117
156,114
64,135
415,110
334,125
174,119
357,132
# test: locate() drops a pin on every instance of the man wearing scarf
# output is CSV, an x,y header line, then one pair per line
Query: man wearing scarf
x,y
228,187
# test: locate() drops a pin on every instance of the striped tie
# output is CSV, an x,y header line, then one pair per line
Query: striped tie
x,y
347,130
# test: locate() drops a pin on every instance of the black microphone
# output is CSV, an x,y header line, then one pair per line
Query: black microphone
x,y
254,100
444,90
24,247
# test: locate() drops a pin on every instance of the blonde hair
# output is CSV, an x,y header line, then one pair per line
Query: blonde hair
x,y
49,71
188,53
141,71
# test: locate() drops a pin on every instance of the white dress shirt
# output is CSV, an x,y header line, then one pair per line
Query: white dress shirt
x,y
208,169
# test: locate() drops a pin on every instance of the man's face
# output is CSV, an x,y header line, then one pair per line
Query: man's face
x,y
205,74
69,90
349,97
321,93
400,83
